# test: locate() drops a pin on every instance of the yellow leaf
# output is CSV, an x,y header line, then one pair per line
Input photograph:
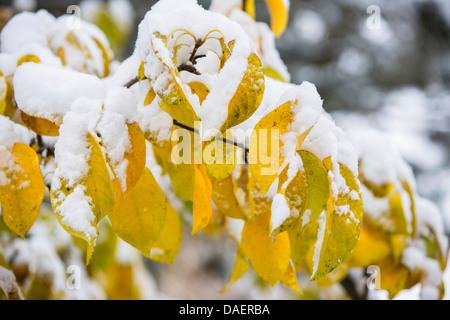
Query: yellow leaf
x,y
139,217
296,197
302,241
202,209
258,204
250,8
173,99
290,279
318,185
97,186
279,15
266,144
269,258
136,157
339,231
219,159
106,58
199,89
272,73
393,276
141,72
21,198
225,199
241,266
373,246
28,58
167,244
40,126
149,97
182,178
248,96
7,105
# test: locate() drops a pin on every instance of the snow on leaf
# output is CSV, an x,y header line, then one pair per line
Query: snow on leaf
x,y
248,95
138,217
23,193
338,232
79,207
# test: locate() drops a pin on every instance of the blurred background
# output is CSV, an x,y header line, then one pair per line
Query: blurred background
x,y
395,79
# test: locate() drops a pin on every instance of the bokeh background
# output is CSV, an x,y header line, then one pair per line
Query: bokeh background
x,y
395,79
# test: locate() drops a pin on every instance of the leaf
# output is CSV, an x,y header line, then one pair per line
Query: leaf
x,y
167,245
272,73
139,216
266,154
202,209
279,15
269,258
199,89
295,193
339,227
28,58
225,200
318,185
182,178
7,104
394,276
219,158
290,279
302,241
248,96
136,157
241,266
96,188
173,98
21,198
372,246
249,7
41,126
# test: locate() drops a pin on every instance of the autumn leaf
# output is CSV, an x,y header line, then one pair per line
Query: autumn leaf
x,y
87,202
22,195
167,244
269,258
202,209
139,216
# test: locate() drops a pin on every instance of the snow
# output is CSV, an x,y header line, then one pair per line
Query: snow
x,y
280,211
234,228
167,17
26,28
48,92
11,133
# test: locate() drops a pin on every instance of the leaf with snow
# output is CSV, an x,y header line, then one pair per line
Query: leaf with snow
x,y
21,187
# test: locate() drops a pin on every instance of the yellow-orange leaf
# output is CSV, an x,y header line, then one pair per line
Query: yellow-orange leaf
x,y
279,15
167,244
136,157
290,279
139,217
269,258
22,196
202,209
241,266
40,126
